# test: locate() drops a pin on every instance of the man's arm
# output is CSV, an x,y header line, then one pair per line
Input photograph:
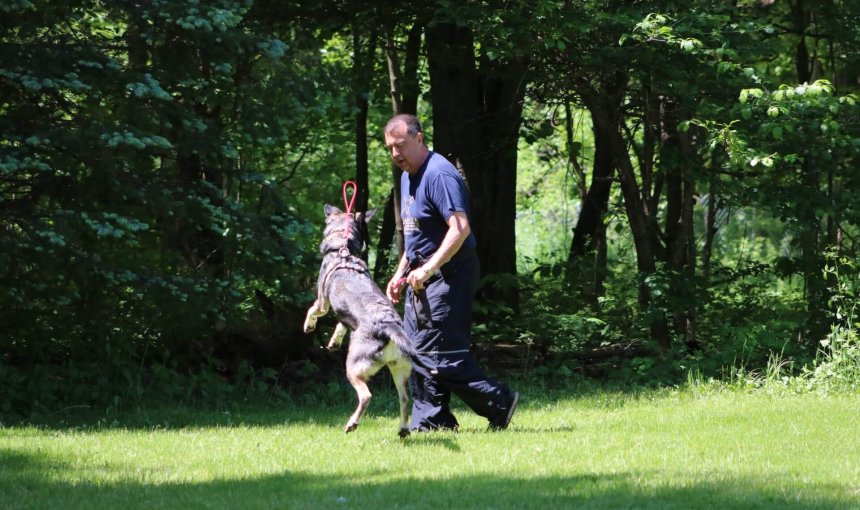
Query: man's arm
x,y
458,232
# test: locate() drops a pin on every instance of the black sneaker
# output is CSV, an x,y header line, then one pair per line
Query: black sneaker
x,y
502,425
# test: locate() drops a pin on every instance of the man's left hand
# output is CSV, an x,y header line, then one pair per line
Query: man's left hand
x,y
418,277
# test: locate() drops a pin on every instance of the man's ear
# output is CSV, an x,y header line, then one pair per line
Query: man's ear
x,y
330,209
369,214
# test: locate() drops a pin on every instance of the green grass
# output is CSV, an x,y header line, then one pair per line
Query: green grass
x,y
667,449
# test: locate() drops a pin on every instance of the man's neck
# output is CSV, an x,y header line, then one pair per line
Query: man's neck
x,y
424,157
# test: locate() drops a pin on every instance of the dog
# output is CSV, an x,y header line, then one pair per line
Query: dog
x,y
378,339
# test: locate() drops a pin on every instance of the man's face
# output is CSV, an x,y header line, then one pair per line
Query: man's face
x,y
407,152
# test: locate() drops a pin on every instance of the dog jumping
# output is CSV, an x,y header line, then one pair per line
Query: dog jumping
x,y
378,339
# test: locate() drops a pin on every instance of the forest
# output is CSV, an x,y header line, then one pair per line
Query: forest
x,y
660,189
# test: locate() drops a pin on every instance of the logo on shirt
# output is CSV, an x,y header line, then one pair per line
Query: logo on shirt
x,y
410,223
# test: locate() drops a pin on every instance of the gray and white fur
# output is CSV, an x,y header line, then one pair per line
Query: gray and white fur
x,y
377,338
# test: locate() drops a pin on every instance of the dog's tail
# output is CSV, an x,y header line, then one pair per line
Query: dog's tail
x,y
394,332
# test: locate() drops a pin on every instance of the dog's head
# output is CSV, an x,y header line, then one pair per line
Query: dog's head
x,y
336,231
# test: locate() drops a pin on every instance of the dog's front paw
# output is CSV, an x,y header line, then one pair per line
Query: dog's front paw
x,y
310,324
337,337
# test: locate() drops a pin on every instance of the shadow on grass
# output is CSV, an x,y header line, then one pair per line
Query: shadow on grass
x,y
333,412
30,482
161,416
329,407
422,439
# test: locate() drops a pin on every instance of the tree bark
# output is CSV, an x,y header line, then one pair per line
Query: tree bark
x,y
802,62
607,118
677,156
476,117
587,256
588,246
710,217
404,92
363,52
815,285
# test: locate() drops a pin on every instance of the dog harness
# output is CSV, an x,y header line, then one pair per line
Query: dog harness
x,y
349,262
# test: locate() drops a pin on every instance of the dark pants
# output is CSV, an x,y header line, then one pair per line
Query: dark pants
x,y
438,319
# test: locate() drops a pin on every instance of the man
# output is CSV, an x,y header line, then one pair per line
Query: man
x,y
441,270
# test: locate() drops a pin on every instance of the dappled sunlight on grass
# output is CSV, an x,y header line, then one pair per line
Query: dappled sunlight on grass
x,y
665,450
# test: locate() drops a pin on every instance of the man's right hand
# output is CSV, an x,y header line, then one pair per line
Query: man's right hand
x,y
394,288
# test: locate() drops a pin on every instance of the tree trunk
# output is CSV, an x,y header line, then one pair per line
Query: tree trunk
x,y
574,149
588,246
382,266
815,286
362,70
810,243
802,62
677,156
404,91
710,217
604,116
411,89
476,118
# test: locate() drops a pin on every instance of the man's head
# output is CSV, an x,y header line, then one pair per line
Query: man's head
x,y
405,141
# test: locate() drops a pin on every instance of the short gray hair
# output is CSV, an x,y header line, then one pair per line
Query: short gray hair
x,y
413,125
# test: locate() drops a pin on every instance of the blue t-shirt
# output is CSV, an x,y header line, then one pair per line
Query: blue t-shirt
x,y
427,200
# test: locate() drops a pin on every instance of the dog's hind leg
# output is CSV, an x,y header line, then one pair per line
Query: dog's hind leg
x,y
317,310
359,382
337,337
400,373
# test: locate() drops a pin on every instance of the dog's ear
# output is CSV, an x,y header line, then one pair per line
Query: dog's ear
x,y
369,214
330,209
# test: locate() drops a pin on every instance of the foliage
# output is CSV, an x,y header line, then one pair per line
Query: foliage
x,y
836,368
163,165
781,132
746,316
783,150
796,149
547,181
140,214
838,364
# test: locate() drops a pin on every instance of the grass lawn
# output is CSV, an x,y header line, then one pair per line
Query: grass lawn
x,y
668,449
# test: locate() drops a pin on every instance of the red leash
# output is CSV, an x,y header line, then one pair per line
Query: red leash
x,y
348,203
